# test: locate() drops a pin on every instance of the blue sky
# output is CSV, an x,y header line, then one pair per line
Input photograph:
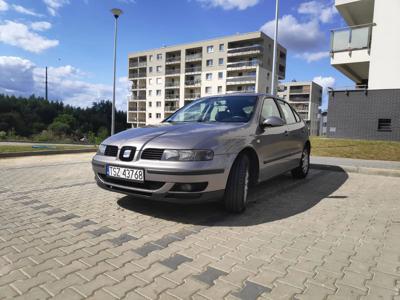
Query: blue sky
x,y
75,39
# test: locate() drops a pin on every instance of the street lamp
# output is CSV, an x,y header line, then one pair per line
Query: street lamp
x,y
273,85
116,13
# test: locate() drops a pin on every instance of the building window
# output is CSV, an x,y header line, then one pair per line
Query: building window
x,y
158,115
221,47
385,125
208,76
150,104
158,92
149,115
210,49
209,62
150,91
221,61
150,81
220,75
150,69
158,103
159,68
219,89
150,57
208,89
159,81
159,56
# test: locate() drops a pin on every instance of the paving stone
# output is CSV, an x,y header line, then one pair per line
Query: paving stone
x,y
123,238
84,223
209,275
174,261
41,206
100,231
146,249
53,211
30,202
313,291
251,290
129,283
67,217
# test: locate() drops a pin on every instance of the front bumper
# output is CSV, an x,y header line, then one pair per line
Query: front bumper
x,y
161,177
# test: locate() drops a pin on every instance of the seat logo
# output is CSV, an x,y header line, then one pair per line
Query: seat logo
x,y
127,153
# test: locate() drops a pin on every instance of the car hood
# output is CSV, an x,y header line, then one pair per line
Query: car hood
x,y
219,137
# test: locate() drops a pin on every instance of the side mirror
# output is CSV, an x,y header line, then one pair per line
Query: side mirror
x,y
273,122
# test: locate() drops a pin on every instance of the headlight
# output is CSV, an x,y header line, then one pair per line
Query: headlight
x,y
102,149
187,155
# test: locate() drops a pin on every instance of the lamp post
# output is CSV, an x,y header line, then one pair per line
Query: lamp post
x,y
274,77
116,13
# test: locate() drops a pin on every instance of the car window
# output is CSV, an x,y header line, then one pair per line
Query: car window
x,y
296,115
269,109
287,112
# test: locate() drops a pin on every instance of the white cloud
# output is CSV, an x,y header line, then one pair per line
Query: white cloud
x,y
3,5
313,56
66,83
317,9
54,5
325,82
229,4
295,35
19,35
41,26
25,11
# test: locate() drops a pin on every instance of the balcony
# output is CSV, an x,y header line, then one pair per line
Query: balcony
x,y
356,12
191,96
350,51
172,96
241,79
172,84
136,75
172,60
174,71
244,64
193,57
170,108
193,70
193,82
138,86
244,50
243,89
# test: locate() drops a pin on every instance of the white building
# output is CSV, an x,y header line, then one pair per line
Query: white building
x,y
306,98
367,51
167,78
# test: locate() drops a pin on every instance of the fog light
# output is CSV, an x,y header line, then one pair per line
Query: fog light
x,y
189,187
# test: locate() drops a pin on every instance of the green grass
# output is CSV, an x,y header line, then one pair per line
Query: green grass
x,y
28,148
361,149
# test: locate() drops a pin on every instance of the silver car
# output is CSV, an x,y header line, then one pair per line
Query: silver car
x,y
213,148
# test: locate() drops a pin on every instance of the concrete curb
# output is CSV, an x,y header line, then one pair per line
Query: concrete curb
x,y
360,170
45,152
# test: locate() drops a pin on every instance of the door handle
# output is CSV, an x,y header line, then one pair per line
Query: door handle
x,y
286,133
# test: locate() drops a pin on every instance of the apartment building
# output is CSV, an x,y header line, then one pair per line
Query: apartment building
x,y
367,52
168,78
306,98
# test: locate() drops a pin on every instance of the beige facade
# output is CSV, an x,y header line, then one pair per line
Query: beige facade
x,y
306,98
167,78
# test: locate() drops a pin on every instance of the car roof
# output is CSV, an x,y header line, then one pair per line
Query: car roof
x,y
244,94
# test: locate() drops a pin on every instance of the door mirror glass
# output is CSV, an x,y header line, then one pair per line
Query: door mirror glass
x,y
273,122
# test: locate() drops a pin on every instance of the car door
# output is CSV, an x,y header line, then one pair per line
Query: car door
x,y
271,142
295,132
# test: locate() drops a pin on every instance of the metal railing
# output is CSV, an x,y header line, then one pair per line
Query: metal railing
x,y
172,84
172,71
241,78
351,38
193,70
193,56
173,59
135,87
170,108
172,96
137,75
193,82
239,64
192,96
255,47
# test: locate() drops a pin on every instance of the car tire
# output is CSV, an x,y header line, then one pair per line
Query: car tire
x,y
304,166
236,190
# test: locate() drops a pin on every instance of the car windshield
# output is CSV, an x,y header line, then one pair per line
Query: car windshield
x,y
217,109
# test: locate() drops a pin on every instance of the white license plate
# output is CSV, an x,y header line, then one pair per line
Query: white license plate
x,y
126,173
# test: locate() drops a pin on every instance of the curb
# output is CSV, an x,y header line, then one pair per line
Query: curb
x,y
45,152
359,170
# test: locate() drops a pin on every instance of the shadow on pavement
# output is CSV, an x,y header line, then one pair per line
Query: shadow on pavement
x,y
276,199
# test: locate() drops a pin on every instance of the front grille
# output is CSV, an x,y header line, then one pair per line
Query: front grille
x,y
147,184
111,151
152,153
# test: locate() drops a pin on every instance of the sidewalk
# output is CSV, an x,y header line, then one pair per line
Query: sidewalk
x,y
372,167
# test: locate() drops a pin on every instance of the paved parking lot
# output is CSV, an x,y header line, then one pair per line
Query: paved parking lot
x,y
334,235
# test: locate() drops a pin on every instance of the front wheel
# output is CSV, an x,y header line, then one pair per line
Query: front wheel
x,y
236,190
304,166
